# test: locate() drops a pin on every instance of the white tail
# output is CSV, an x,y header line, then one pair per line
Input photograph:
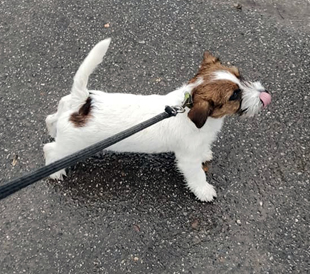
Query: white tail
x,y
79,90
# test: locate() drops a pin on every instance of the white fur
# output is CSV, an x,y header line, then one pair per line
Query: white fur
x,y
226,75
250,98
115,112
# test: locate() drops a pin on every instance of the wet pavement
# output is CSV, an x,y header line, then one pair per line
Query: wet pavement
x,y
129,213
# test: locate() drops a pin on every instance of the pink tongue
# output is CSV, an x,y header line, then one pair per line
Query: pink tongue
x,y
265,97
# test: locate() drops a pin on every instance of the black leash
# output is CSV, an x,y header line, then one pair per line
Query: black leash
x,y
36,175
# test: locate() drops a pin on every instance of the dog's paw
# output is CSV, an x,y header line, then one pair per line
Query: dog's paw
x,y
59,175
206,193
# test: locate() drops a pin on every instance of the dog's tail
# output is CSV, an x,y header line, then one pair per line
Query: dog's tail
x,y
79,90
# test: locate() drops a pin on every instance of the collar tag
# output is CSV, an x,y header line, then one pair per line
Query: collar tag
x,y
188,100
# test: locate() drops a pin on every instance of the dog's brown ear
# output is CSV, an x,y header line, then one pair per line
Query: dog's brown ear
x,y
199,113
209,59
235,71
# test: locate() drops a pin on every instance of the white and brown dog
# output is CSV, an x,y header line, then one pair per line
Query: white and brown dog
x,y
85,117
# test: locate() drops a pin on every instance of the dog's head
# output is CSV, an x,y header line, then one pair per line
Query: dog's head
x,y
222,91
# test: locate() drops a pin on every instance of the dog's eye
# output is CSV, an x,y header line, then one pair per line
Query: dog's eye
x,y
236,95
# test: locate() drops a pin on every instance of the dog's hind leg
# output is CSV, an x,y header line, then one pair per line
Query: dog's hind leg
x,y
51,124
51,120
52,154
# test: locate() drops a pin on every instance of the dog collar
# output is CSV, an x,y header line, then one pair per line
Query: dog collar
x,y
188,100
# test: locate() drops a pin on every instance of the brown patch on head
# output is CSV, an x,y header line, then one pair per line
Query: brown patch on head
x,y
234,70
211,64
80,117
213,98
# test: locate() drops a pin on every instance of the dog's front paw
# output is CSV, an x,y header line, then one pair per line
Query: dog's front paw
x,y
206,193
207,157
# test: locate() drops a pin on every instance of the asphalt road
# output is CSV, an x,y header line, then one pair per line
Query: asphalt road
x,y
122,213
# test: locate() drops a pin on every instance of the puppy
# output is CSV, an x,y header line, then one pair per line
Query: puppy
x,y
85,117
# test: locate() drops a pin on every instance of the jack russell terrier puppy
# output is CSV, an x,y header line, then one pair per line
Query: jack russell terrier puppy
x,y
85,117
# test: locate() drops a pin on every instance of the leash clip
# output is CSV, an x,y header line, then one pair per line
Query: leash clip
x,y
173,111
179,109
187,102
